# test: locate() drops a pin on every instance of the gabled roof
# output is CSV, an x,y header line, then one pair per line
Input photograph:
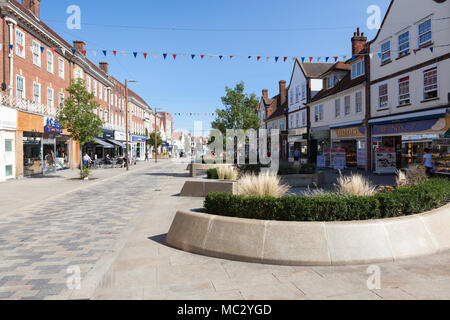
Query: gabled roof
x,y
314,69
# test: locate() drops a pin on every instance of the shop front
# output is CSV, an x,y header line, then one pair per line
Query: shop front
x,y
138,147
8,126
352,139
298,140
408,138
319,146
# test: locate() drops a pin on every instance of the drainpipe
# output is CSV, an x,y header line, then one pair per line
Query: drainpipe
x,y
11,23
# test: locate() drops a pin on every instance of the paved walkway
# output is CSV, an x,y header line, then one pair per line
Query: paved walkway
x,y
114,232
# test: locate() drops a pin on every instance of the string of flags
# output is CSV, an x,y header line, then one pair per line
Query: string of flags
x,y
174,56
196,114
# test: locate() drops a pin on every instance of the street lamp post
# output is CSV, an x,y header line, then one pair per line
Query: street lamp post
x,y
156,137
126,118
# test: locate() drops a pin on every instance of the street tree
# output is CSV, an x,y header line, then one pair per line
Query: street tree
x,y
151,141
78,118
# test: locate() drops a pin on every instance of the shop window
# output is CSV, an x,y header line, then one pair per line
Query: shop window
x,y
386,52
20,44
337,108
403,91
358,102
403,44
430,86
383,96
425,34
347,105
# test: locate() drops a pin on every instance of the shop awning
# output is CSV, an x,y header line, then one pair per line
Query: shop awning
x,y
346,125
117,143
104,144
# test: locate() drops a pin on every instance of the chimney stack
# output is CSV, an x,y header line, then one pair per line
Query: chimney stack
x,y
104,66
283,92
265,93
79,45
33,6
358,42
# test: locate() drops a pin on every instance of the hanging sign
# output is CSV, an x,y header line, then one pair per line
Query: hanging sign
x,y
52,126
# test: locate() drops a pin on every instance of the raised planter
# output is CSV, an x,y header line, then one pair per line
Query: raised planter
x,y
312,243
304,180
202,187
195,167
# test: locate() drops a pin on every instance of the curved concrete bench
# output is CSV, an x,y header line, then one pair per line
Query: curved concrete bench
x,y
312,243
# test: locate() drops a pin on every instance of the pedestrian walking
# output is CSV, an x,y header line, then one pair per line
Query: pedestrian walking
x,y
428,161
86,160
146,156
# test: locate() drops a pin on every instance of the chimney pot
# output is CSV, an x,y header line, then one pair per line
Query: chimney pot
x,y
104,66
283,92
79,45
33,6
265,93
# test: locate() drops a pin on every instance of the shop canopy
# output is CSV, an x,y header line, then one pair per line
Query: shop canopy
x,y
104,144
117,143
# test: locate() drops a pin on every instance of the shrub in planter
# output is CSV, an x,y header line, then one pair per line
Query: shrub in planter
x,y
212,174
332,206
291,169
85,173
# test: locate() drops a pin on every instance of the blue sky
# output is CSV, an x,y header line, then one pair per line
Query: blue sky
x,y
228,27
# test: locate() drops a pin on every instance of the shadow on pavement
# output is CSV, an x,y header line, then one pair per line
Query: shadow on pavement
x,y
161,239
175,175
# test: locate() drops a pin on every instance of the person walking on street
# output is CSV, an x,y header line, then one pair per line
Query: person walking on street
x,y
296,155
86,160
428,161
146,156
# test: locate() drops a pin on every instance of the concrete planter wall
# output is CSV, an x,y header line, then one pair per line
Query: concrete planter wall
x,y
304,180
312,243
202,187
194,167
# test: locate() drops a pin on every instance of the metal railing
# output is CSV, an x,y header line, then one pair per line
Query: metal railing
x,y
28,106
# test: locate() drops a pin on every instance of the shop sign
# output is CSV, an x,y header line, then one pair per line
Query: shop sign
x,y
404,127
385,160
108,134
120,136
320,135
138,139
348,132
52,126
338,158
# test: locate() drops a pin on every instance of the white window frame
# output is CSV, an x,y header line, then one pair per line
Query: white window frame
x,y
401,51
18,52
291,97
61,66
304,115
94,87
424,71
100,91
318,113
358,102
50,62
18,76
337,108
50,102
37,54
380,106
38,85
297,94
304,92
347,106
88,84
358,72
386,54
419,35
404,99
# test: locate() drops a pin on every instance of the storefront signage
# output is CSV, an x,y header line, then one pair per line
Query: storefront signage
x,y
138,139
404,127
107,134
353,132
120,136
338,158
385,160
361,154
52,126
320,135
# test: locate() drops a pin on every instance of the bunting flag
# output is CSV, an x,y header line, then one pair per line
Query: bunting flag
x,y
94,52
192,56
231,57
220,57
415,51
174,56
276,59
74,51
42,49
327,58
63,51
155,55
52,50
84,53
135,54
115,53
361,57
183,56
310,59
165,56
335,59
124,53
11,47
303,59
104,52
258,57
285,58
267,59
431,49
379,55
1,46
21,49
202,56
318,59
145,55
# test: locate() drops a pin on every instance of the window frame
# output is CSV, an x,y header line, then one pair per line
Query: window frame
x,y
52,95
318,113
23,84
379,106
37,54
419,34
436,84
50,63
406,100
401,52
40,92
18,52
61,72
337,106
358,102
347,106
386,54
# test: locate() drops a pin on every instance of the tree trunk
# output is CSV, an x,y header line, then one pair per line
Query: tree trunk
x,y
81,159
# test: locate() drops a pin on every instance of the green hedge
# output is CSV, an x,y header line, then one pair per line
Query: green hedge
x,y
212,174
331,207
